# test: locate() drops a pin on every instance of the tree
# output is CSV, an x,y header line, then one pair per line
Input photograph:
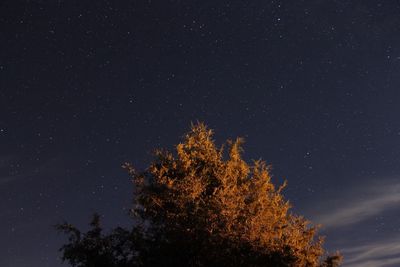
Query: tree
x,y
203,206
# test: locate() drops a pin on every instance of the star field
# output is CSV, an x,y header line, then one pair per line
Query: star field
x,y
312,86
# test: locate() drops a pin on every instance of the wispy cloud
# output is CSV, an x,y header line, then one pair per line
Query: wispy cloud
x,y
6,179
8,175
384,253
361,205
352,211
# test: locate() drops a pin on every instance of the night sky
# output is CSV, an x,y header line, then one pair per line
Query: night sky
x,y
313,87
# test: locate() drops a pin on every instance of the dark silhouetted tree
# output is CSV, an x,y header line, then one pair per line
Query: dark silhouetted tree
x,y
203,206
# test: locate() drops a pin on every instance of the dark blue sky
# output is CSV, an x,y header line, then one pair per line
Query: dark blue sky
x,y
313,86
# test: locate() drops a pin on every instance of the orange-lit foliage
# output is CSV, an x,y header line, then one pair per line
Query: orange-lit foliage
x,y
206,206
202,206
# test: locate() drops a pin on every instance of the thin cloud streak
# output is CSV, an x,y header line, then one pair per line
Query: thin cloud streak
x,y
47,167
355,208
362,206
380,254
7,179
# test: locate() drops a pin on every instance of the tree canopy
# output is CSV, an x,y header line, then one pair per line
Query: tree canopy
x,y
203,205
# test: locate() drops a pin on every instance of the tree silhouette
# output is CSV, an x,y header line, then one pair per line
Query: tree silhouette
x,y
203,206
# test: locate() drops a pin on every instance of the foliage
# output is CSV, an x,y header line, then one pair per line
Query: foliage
x,y
203,206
